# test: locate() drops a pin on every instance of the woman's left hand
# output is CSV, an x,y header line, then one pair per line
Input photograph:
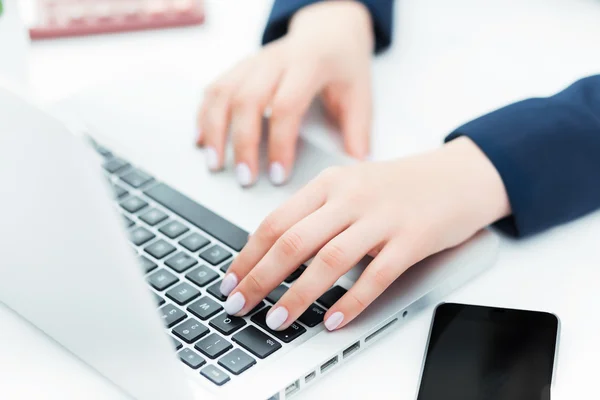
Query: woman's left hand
x,y
400,212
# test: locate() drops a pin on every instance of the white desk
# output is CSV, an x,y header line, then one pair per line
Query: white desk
x,y
451,61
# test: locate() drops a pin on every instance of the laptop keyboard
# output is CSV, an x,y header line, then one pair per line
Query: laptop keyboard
x,y
185,249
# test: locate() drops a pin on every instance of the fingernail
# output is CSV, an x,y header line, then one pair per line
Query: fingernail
x,y
276,318
228,284
244,175
277,173
334,320
234,304
212,159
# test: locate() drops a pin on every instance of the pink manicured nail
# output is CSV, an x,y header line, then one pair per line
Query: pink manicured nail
x,y
334,320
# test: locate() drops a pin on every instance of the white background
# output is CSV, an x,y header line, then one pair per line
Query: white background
x,y
451,61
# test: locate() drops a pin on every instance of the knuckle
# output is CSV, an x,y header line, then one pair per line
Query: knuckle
x,y
290,244
244,101
357,300
253,284
296,299
283,106
216,90
333,257
270,229
380,278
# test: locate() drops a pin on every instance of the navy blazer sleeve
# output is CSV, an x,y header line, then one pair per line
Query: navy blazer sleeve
x,y
283,10
547,151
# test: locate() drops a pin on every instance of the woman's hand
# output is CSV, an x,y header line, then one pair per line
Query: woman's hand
x,y
400,211
327,51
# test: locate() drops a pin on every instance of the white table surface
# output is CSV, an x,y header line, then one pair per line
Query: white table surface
x,y
451,61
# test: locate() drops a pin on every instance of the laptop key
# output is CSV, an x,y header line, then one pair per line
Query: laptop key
x,y
136,178
191,358
171,315
162,279
227,324
181,262
173,229
213,346
236,361
119,191
204,308
146,264
330,297
159,249
153,217
215,290
133,204
215,255
296,274
115,164
176,343
196,214
190,330
277,293
256,342
194,242
202,275
215,375
183,293
313,316
226,266
292,332
140,235
128,222
159,300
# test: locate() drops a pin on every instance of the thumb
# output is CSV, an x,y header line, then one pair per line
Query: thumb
x,y
355,121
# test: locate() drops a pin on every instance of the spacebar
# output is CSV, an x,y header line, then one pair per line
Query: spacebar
x,y
203,218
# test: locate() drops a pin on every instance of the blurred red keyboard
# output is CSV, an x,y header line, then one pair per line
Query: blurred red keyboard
x,y
62,18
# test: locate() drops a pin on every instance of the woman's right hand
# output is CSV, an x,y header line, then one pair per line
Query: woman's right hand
x,y
327,51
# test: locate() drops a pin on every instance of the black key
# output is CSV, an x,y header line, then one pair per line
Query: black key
x,y
128,222
153,217
227,324
119,191
191,358
287,335
181,262
202,275
213,346
331,296
183,293
257,307
204,308
140,235
215,290
159,249
173,229
226,266
146,264
296,274
104,152
115,164
201,217
159,300
133,204
190,330
194,242
136,178
277,293
256,342
313,316
176,343
171,315
162,279
236,361
215,255
215,375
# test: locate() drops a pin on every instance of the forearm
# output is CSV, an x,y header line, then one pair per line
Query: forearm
x,y
547,152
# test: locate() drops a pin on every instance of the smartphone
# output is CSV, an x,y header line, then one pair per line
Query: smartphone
x,y
486,353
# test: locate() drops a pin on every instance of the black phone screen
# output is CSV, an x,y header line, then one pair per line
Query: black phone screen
x,y
484,353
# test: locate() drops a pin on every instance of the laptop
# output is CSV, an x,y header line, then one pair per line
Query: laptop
x,y
119,239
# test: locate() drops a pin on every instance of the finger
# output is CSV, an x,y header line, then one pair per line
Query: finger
x,y
249,104
294,95
294,247
335,259
390,263
213,119
304,202
355,120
